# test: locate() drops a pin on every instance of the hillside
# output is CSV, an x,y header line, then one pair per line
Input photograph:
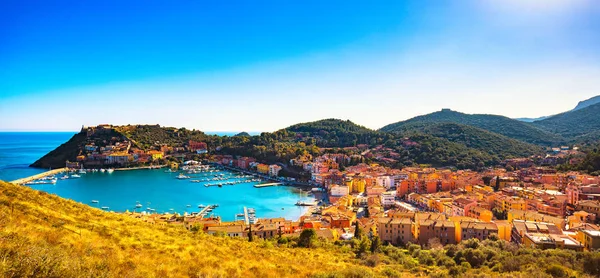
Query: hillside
x,y
588,102
498,124
573,124
476,138
67,151
43,235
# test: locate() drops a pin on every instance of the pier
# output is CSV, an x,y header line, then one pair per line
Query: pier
x,y
40,175
267,184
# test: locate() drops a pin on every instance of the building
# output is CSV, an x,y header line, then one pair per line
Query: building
x,y
590,239
198,147
156,155
118,158
262,168
396,231
274,170
551,241
473,229
388,199
589,206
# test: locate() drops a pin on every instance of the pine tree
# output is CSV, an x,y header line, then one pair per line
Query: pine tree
x,y
358,233
250,235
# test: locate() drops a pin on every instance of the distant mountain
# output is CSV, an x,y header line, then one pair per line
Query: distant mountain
x,y
580,105
586,103
531,120
578,123
498,124
476,138
243,133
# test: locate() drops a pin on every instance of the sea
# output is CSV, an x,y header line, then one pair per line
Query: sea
x,y
154,189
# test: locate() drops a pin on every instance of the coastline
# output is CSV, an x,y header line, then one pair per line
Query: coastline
x,y
24,180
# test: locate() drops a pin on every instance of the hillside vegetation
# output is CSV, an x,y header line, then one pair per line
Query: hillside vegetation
x,y
578,124
42,235
498,124
494,144
67,151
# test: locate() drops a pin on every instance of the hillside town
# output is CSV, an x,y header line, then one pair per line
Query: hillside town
x,y
529,205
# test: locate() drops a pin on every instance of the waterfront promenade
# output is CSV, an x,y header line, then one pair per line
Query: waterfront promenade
x,y
40,175
141,168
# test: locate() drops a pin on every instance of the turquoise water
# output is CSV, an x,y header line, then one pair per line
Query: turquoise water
x,y
121,190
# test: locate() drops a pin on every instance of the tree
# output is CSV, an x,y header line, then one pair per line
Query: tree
x,y
375,244
307,238
497,186
250,235
363,247
358,232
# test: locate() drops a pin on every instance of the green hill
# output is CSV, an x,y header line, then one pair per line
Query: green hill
x,y
66,151
494,144
498,124
574,124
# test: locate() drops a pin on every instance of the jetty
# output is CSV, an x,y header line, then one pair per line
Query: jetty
x,y
40,175
141,168
246,218
267,184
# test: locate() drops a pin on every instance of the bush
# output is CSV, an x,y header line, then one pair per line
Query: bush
x,y
307,238
557,271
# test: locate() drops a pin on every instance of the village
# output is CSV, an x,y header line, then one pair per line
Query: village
x,y
529,205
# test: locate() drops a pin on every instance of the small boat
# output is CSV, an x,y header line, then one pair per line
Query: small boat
x,y
240,215
102,170
82,171
308,204
201,206
182,176
189,206
169,171
110,170
138,205
64,177
95,201
105,208
75,176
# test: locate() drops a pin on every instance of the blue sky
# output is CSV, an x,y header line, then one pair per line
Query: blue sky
x,y
264,65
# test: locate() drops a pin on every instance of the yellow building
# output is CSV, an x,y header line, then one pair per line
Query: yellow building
x,y
156,154
480,213
262,168
589,239
507,203
504,229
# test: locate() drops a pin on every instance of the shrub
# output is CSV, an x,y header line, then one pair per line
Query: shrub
x,y
557,271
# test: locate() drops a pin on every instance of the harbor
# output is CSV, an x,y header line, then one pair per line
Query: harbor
x,y
163,192
40,176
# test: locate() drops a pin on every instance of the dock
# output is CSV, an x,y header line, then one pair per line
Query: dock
x,y
267,184
40,175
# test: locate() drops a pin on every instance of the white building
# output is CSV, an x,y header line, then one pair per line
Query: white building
x,y
388,198
339,190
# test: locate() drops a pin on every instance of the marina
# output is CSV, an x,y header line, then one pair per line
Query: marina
x,y
225,193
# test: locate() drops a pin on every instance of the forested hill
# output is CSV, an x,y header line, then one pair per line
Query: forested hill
x,y
498,124
575,124
476,138
443,145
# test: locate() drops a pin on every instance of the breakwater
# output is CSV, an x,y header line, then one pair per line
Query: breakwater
x,y
40,175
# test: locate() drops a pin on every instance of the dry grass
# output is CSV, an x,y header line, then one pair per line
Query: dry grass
x,y
42,235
